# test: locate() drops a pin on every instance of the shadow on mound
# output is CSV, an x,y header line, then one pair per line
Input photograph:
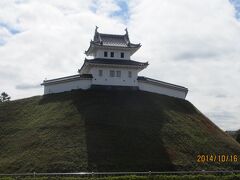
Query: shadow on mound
x,y
123,128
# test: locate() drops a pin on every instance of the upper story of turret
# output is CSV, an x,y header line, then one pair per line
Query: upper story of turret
x,y
111,46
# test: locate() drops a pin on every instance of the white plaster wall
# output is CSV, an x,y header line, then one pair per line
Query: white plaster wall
x,y
67,86
117,54
105,79
144,86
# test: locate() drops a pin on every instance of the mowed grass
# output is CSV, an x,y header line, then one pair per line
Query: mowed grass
x,y
108,131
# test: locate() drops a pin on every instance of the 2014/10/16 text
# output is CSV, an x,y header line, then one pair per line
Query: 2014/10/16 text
x,y
219,158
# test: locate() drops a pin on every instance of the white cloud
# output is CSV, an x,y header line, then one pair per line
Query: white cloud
x,y
104,7
195,44
190,43
52,42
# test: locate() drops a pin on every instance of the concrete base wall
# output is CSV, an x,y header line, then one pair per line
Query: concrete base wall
x,y
67,86
87,84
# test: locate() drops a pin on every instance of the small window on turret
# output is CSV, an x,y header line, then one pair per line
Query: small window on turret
x,y
122,55
100,72
129,74
112,73
118,73
112,54
105,54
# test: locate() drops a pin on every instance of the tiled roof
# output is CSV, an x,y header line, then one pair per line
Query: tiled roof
x,y
150,80
113,40
67,78
115,61
86,76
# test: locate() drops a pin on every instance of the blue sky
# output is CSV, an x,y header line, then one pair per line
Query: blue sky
x,y
11,29
123,13
236,4
124,10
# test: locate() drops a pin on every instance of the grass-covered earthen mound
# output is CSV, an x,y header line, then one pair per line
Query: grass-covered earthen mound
x,y
107,131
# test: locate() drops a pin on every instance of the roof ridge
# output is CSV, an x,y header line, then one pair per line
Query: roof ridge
x,y
122,35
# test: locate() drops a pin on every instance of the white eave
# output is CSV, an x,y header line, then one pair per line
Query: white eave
x,y
93,47
87,65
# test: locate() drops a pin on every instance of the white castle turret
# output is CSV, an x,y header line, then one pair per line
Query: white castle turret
x,y
112,68
111,46
111,64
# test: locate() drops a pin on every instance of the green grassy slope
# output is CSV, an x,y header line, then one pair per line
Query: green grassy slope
x,y
238,136
235,134
107,131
